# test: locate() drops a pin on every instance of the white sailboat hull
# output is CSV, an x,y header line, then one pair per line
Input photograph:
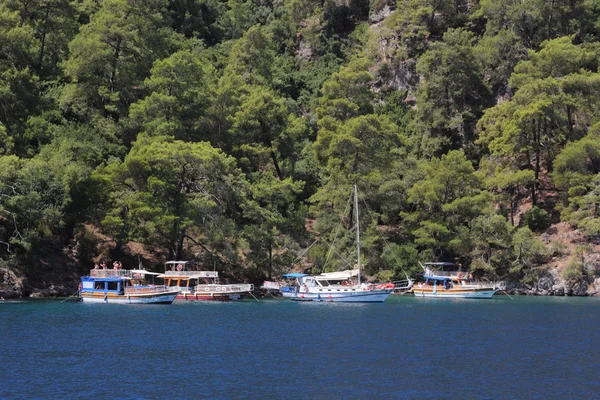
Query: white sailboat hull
x,y
350,296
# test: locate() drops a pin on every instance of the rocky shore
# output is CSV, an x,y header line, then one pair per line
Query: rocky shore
x,y
13,286
547,287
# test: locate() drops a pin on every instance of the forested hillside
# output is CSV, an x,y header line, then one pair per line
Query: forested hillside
x,y
231,132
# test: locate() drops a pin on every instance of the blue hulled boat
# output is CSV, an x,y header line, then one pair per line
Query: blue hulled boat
x,y
125,287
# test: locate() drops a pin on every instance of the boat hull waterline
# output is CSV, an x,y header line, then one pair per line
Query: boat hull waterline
x,y
209,297
162,298
370,296
456,294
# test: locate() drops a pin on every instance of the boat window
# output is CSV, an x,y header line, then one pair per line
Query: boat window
x,y
113,286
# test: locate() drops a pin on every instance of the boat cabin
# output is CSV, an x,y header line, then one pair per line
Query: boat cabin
x,y
114,280
291,282
347,277
182,274
104,285
446,275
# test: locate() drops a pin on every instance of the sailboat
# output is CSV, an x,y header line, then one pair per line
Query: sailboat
x,y
339,287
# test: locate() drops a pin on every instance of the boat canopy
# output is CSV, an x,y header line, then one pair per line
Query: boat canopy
x,y
143,272
104,278
181,262
437,277
189,274
294,275
339,275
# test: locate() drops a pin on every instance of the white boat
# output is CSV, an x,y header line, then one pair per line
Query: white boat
x,y
451,284
123,287
326,287
196,285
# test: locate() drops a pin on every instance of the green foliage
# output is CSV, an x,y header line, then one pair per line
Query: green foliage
x,y
111,56
500,52
406,30
528,253
252,57
35,195
553,90
444,201
557,249
233,131
576,173
403,259
501,178
197,18
452,94
167,191
573,272
537,219
179,99
491,236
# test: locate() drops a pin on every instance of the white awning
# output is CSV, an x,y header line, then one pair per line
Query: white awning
x,y
143,272
339,275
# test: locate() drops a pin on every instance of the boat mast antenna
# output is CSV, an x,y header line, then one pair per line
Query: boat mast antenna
x,y
357,231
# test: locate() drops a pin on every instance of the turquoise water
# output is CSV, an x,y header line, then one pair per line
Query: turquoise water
x,y
406,348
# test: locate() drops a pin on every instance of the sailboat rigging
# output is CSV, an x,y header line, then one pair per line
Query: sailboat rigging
x,y
329,286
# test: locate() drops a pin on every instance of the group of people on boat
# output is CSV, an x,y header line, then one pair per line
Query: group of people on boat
x,y
103,265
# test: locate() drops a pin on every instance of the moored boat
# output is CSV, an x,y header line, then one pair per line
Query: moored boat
x,y
123,287
325,287
318,288
451,284
291,283
196,285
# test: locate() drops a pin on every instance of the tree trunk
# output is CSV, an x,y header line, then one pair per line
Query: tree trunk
x,y
115,63
276,164
43,43
270,272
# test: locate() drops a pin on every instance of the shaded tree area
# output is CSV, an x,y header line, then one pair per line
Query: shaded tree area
x,y
231,132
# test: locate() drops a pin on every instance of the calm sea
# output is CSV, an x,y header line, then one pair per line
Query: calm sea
x,y
405,348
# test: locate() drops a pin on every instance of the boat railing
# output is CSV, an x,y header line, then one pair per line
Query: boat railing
x,y
404,284
465,283
192,274
272,285
500,285
446,273
229,288
148,289
110,273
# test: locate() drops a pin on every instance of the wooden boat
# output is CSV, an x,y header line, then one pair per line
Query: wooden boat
x,y
123,287
326,287
451,284
196,285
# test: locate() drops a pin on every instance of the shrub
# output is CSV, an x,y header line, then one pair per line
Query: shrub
x,y
557,249
573,272
537,219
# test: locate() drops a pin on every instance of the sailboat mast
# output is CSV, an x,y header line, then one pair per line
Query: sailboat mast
x,y
357,231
